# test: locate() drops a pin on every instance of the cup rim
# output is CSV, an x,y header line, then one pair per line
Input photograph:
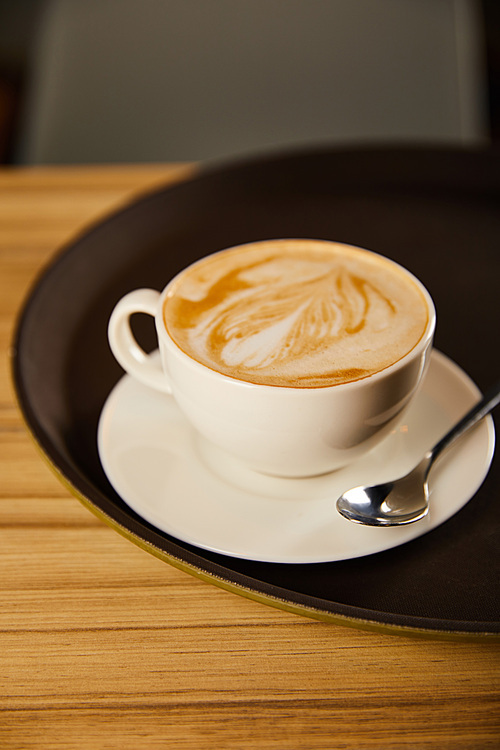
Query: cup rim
x,y
421,345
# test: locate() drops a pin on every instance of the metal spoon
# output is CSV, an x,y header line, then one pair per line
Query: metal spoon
x,y
406,500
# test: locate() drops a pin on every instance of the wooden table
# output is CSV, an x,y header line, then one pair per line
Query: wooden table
x,y
105,646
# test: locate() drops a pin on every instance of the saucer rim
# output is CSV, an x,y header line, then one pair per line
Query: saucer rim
x,y
409,533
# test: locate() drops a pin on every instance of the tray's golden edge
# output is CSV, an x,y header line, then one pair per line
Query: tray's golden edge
x,y
283,604
235,588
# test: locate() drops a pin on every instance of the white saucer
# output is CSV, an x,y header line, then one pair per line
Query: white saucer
x,y
185,487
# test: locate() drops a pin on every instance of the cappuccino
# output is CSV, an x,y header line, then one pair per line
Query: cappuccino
x,y
295,313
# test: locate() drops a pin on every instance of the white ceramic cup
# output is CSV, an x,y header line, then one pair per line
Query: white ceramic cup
x,y
282,431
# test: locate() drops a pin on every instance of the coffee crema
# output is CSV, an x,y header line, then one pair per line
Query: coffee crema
x,y
295,313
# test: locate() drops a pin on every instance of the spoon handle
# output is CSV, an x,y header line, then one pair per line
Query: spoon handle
x,y
488,402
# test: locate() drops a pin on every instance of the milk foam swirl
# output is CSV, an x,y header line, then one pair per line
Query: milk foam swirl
x,y
295,313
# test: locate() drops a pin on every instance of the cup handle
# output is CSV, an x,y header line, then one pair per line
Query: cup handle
x,y
124,346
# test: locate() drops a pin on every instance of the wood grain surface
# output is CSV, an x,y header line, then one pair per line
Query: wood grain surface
x,y
105,646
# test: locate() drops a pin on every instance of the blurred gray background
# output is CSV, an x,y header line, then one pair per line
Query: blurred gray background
x,y
85,81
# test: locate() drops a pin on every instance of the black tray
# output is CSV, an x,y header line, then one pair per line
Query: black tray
x,y
435,211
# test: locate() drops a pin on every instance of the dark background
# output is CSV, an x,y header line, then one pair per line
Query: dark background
x,y
24,22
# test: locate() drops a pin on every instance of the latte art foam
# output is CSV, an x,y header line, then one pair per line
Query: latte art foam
x,y
296,313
